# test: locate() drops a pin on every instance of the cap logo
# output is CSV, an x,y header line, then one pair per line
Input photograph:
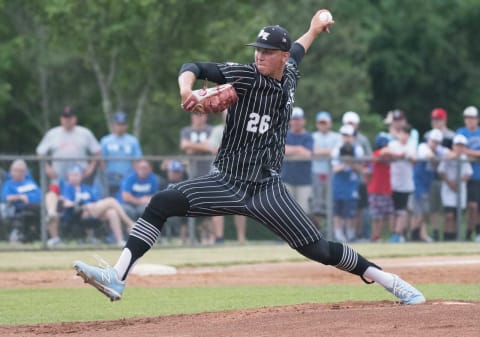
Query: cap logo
x,y
264,35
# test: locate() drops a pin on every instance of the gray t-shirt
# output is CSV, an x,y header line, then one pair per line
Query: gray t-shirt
x,y
61,143
198,167
329,140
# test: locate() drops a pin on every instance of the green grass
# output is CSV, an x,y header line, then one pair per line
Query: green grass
x,y
23,305
222,255
31,306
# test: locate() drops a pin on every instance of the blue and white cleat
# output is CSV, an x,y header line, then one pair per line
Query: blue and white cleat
x,y
104,278
405,291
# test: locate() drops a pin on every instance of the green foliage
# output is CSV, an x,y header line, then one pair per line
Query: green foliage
x,y
104,55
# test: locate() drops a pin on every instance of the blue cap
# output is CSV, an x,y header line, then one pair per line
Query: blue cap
x,y
75,169
381,140
323,116
120,117
175,165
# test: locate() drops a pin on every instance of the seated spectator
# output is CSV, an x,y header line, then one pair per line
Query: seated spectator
x,y
22,196
138,188
448,171
175,174
80,199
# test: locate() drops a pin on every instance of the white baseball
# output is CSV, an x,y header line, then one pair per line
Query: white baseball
x,y
325,16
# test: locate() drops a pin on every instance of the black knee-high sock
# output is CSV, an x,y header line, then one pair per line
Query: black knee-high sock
x,y
147,229
338,255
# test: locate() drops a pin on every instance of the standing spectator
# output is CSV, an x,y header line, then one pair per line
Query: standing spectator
x,y
81,198
22,195
401,179
438,121
138,188
119,144
429,153
448,170
194,142
363,218
345,184
297,174
396,120
324,141
240,221
380,189
472,133
68,140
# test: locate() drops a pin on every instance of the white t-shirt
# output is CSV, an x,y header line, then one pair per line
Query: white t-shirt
x,y
61,143
449,168
401,170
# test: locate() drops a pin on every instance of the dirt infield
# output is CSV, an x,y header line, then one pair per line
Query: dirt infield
x,y
387,318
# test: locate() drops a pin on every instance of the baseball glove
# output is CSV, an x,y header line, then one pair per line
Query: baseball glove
x,y
211,100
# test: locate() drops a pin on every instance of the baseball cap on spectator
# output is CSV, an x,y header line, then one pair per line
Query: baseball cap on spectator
x,y
67,112
436,135
388,118
323,116
460,139
120,117
75,169
439,113
273,37
470,111
175,165
297,113
347,130
398,115
351,117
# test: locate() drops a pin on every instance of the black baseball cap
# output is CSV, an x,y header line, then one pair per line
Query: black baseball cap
x,y
273,37
67,112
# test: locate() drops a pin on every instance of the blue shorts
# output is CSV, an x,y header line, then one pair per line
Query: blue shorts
x,y
345,208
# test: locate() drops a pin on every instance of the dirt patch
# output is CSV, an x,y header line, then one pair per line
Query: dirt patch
x,y
436,318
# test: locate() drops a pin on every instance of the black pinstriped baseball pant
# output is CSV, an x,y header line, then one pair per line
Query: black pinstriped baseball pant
x,y
266,201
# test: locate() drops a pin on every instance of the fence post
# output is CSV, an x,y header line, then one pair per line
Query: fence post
x,y
459,223
329,205
43,188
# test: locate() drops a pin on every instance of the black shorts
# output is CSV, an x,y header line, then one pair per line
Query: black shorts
x,y
266,201
400,200
473,191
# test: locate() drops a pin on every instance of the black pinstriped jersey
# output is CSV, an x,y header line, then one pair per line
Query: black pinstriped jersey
x,y
253,142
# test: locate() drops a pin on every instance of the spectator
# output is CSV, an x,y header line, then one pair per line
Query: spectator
x,y
448,170
119,144
401,178
396,120
296,173
194,142
345,184
138,188
175,174
472,132
438,121
362,221
240,221
380,189
81,199
68,140
429,153
324,141
22,195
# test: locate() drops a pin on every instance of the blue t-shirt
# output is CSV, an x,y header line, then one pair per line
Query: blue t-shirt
x,y
139,187
27,187
345,185
297,172
84,195
473,138
424,171
126,146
